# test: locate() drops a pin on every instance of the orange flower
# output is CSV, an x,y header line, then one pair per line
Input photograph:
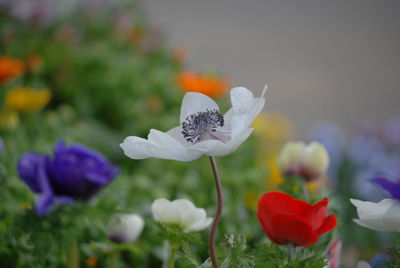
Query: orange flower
x,y
211,86
91,261
9,68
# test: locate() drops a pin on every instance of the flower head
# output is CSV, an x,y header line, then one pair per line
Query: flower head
x,y
287,220
73,173
180,212
125,228
10,68
307,161
211,86
27,100
203,129
381,216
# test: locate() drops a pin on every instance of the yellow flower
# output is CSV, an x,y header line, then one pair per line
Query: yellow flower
x,y
274,177
8,119
251,199
272,181
27,100
273,127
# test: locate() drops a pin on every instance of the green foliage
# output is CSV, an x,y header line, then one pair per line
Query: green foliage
x,y
236,254
270,255
394,257
175,235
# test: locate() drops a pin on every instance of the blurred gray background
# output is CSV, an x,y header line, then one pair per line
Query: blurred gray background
x,y
336,60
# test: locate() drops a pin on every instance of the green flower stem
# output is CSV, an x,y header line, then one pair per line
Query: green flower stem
x,y
290,252
213,230
73,255
172,256
115,259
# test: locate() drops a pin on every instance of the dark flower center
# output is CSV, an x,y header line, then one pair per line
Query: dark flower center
x,y
199,126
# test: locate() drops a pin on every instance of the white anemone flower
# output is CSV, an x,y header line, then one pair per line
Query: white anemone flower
x,y
180,212
381,216
125,228
203,129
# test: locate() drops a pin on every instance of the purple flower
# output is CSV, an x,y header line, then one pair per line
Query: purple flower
x,y
74,173
378,259
392,187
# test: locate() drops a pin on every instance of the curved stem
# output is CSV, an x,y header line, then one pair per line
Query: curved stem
x,y
220,198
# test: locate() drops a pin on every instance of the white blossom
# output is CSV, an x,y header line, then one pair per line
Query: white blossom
x,y
381,216
125,228
203,130
180,212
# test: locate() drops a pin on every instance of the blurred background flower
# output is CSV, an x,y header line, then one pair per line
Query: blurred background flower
x,y
27,100
73,173
10,68
208,84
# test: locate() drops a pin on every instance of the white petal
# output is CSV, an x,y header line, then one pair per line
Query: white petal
x,y
391,218
158,145
242,99
227,148
137,148
206,146
125,228
185,208
194,102
176,133
163,139
381,216
192,218
133,226
200,223
165,212
256,108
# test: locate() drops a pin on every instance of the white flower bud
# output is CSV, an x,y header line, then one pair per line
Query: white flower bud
x,y
307,161
180,212
291,154
316,157
125,228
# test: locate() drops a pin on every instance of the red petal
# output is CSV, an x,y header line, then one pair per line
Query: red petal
x,y
285,229
317,214
328,224
278,202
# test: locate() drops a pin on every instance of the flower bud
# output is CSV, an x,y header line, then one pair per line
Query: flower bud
x,y
290,154
316,157
307,161
180,212
125,228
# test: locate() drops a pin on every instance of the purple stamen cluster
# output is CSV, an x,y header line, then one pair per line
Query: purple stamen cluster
x,y
195,125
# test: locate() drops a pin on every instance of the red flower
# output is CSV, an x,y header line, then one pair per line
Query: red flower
x,y
287,220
